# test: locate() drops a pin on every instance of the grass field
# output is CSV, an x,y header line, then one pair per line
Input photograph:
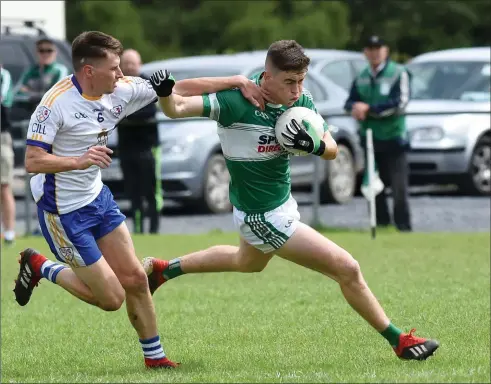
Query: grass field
x,y
285,324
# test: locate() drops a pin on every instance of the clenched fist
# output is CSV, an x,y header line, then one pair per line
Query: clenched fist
x,y
96,155
162,82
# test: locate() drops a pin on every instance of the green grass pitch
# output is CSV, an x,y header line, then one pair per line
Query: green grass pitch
x,y
286,324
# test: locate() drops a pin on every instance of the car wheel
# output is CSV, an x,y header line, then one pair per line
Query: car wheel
x,y
478,178
340,184
215,185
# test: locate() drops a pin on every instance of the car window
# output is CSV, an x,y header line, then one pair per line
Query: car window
x,y
14,58
459,80
340,73
63,55
315,89
359,65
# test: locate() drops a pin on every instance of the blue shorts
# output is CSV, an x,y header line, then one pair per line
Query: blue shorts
x,y
72,236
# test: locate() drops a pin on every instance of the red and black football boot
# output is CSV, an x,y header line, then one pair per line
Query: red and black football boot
x,y
29,275
415,348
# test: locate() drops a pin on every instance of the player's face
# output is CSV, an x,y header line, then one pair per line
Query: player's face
x,y
105,74
285,87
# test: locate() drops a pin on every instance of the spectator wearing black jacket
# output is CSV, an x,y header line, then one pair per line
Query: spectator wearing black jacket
x,y
138,145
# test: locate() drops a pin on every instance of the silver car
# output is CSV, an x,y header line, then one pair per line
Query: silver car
x,y
193,168
449,119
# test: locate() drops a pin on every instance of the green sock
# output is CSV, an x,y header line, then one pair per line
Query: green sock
x,y
173,269
391,334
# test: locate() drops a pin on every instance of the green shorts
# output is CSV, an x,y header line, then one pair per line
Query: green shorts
x,y
270,230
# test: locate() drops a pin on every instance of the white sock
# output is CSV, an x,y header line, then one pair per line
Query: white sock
x,y
50,270
9,235
152,349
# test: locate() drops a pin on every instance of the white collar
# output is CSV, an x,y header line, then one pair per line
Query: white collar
x,y
378,69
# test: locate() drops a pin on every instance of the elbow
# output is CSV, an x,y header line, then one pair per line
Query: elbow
x,y
175,115
30,165
331,152
171,113
32,162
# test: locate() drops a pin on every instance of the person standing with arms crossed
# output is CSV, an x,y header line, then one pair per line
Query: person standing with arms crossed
x,y
139,153
378,98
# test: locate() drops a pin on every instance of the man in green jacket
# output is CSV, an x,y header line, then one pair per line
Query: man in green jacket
x,y
378,98
38,79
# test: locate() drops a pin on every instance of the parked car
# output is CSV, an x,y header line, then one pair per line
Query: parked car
x,y
339,66
342,67
17,53
193,167
449,119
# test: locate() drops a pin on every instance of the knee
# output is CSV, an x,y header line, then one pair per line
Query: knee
x,y
251,265
136,281
112,302
350,271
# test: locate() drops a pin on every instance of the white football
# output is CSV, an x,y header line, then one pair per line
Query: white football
x,y
299,114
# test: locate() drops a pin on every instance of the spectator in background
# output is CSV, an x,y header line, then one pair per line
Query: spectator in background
x,y
7,162
38,79
139,153
378,97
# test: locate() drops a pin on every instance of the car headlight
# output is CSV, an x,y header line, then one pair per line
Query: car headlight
x,y
427,134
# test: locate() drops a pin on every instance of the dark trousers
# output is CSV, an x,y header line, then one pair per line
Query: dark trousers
x,y
138,167
393,171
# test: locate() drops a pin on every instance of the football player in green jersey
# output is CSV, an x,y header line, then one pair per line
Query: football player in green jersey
x,y
265,214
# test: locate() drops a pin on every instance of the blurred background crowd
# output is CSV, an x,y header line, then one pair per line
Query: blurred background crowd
x,y
444,47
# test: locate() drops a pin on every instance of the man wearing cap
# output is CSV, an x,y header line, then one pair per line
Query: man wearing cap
x,y
378,98
38,79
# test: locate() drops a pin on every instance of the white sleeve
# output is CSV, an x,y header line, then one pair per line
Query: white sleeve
x,y
142,94
6,83
43,126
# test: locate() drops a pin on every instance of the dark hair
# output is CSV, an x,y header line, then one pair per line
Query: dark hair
x,y
93,45
287,55
44,40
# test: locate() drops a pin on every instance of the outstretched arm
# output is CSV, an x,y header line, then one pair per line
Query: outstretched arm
x,y
166,86
177,106
201,85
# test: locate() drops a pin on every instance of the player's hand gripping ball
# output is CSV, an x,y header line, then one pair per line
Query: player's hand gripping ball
x,y
162,82
299,131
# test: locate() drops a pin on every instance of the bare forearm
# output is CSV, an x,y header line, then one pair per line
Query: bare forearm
x,y
176,106
170,105
331,147
47,163
199,86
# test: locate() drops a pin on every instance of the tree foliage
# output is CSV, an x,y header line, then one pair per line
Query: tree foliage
x,y
161,29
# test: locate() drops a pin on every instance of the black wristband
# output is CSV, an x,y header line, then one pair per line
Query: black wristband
x,y
321,150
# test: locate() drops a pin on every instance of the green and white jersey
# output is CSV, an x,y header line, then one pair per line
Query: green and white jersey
x,y
259,168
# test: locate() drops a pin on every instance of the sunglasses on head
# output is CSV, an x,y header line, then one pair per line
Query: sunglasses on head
x,y
46,50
